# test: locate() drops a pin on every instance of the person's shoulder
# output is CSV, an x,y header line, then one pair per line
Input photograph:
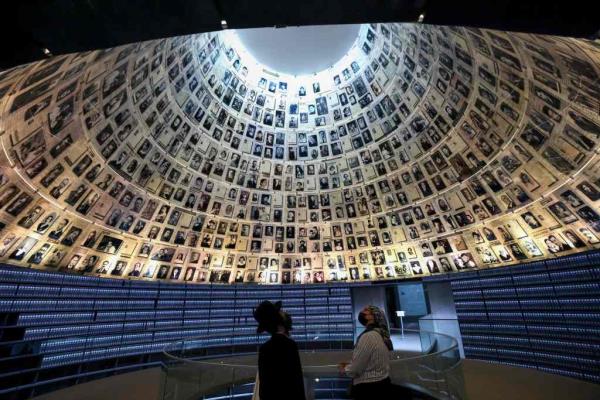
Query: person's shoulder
x,y
369,335
266,345
283,340
291,342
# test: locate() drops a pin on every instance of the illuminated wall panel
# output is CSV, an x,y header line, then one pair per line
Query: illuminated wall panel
x,y
541,315
59,329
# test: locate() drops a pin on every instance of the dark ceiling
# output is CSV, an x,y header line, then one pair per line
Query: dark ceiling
x,y
66,26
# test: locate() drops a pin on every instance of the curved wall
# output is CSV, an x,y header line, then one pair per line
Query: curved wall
x,y
542,315
57,329
425,149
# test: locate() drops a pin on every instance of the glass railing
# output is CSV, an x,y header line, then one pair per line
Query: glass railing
x,y
427,363
448,326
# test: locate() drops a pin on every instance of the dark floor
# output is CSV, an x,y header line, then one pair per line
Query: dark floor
x,y
484,381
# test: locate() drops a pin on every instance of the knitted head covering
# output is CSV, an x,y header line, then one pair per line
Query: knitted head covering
x,y
380,325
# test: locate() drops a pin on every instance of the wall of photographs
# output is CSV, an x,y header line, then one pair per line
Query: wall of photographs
x,y
424,150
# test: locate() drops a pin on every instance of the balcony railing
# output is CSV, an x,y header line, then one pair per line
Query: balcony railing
x,y
430,365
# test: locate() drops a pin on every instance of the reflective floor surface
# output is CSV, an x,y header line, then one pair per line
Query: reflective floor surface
x,y
484,381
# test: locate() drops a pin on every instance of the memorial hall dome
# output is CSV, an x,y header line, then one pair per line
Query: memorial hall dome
x,y
302,155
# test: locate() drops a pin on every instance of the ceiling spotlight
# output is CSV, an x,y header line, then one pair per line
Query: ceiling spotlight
x,y
47,52
421,18
223,24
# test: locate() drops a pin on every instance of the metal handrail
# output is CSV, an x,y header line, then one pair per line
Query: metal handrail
x,y
187,377
423,355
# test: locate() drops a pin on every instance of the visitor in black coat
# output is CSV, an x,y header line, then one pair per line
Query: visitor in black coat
x,y
279,369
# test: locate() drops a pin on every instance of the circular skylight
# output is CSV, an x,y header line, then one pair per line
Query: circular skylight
x,y
299,50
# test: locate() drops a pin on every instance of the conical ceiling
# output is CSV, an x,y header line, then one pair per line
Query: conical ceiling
x,y
423,150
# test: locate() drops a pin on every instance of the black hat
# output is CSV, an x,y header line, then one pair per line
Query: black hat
x,y
267,315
